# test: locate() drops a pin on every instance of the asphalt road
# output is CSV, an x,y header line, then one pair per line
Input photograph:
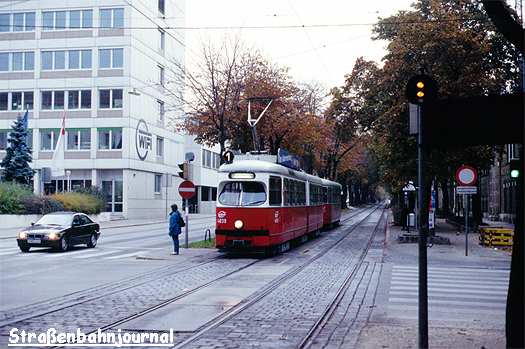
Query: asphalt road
x,y
27,278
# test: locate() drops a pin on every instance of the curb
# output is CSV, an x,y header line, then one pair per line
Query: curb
x,y
111,227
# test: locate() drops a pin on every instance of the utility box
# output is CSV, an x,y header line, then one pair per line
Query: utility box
x,y
411,220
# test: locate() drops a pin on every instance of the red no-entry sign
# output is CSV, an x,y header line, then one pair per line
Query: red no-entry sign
x,y
466,176
187,189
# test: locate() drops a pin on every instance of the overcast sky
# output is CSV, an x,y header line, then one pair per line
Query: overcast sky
x,y
324,55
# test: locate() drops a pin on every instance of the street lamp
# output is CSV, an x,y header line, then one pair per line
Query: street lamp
x,y
68,176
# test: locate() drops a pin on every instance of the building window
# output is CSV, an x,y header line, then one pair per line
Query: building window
x,y
3,139
112,18
161,75
53,100
162,7
19,100
158,182
110,138
17,22
80,19
78,139
162,40
110,99
111,58
4,101
48,139
56,60
160,146
79,99
20,61
161,110
54,20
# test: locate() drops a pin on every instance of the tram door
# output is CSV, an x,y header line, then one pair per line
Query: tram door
x,y
113,195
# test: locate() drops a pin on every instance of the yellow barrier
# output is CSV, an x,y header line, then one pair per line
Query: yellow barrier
x,y
495,236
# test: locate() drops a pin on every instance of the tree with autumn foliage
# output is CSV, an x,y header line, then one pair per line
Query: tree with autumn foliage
x,y
218,92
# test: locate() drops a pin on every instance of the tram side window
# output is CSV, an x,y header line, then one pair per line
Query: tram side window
x,y
293,193
312,193
301,193
325,195
275,191
286,192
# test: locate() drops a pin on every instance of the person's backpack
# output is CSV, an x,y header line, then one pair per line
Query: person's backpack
x,y
181,221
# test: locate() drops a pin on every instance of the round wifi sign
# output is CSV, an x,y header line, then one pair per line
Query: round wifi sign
x,y
466,175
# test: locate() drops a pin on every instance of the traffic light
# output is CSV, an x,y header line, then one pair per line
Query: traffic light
x,y
183,173
515,170
420,89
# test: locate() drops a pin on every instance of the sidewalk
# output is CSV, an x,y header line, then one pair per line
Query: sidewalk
x,y
452,324
10,233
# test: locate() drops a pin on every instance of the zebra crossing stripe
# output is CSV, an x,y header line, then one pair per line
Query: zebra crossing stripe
x,y
455,270
453,285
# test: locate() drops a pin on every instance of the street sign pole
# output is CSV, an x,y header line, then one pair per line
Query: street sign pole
x,y
423,296
186,214
467,197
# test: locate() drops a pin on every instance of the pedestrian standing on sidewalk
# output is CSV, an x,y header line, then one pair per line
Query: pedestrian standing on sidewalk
x,y
175,230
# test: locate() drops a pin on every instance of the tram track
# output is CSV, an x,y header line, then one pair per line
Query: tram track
x,y
38,310
272,286
308,340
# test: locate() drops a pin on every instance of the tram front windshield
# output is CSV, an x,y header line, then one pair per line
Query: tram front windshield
x,y
242,194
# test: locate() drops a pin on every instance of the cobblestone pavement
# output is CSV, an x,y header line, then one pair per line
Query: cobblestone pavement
x,y
110,303
103,311
56,303
284,317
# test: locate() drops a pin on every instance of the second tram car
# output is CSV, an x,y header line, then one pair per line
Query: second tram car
x,y
264,206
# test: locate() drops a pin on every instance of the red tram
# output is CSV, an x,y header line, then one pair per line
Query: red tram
x,y
264,206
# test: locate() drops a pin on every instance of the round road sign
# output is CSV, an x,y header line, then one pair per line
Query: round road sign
x,y
187,189
466,175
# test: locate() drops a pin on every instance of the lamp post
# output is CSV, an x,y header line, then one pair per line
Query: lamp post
x,y
68,180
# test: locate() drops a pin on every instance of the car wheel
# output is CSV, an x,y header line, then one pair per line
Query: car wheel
x,y
24,248
92,241
64,244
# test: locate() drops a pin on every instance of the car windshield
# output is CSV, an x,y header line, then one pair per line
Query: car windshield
x,y
242,194
55,219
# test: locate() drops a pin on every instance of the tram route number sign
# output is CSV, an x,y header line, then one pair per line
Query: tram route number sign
x,y
227,157
187,190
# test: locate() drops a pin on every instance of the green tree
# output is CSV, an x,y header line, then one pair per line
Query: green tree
x,y
18,155
454,42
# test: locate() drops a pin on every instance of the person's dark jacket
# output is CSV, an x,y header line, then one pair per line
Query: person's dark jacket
x,y
174,223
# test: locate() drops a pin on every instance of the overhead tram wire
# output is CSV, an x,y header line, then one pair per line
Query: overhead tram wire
x,y
165,28
291,26
319,58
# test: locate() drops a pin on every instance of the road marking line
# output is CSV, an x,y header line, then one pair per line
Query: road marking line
x,y
501,304
126,255
454,270
487,296
432,280
459,285
95,254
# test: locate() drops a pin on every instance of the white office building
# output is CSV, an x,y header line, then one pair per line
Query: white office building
x,y
105,65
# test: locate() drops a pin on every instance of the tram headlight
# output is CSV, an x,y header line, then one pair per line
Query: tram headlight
x,y
238,224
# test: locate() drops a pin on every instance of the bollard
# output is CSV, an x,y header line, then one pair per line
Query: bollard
x,y
207,235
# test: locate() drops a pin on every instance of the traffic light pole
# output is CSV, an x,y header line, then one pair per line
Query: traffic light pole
x,y
423,287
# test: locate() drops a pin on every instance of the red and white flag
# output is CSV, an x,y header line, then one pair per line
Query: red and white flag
x,y
58,162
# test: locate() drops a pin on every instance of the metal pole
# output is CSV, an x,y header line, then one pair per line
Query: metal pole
x,y
255,140
423,296
166,193
467,197
186,213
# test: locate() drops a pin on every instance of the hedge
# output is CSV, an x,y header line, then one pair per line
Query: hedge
x,y
11,196
80,202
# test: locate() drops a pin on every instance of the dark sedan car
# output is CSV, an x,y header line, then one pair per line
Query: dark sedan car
x,y
59,230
